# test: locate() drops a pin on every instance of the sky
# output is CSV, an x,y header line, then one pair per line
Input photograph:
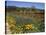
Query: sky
x,y
26,4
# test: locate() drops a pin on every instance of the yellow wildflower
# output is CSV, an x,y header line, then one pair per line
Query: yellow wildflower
x,y
28,26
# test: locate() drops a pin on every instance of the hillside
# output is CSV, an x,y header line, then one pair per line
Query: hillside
x,y
24,20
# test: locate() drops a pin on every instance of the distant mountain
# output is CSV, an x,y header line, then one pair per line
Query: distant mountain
x,y
21,8
10,6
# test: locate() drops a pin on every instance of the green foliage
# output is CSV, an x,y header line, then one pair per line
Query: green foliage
x,y
19,24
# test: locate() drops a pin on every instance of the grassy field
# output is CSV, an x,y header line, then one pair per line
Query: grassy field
x,y
25,20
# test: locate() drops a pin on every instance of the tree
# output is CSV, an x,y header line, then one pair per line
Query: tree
x,y
33,9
